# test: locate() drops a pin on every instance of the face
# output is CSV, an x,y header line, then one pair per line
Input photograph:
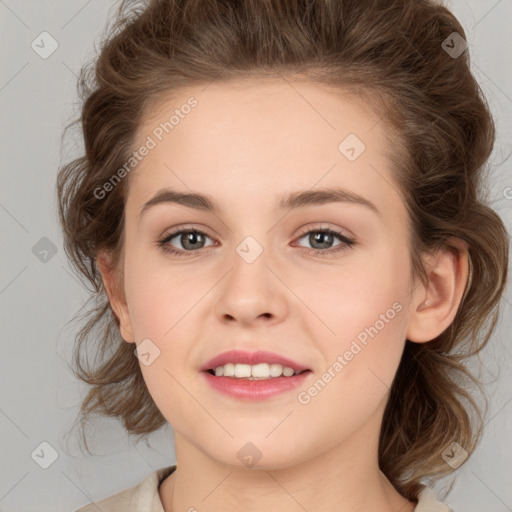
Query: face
x,y
325,282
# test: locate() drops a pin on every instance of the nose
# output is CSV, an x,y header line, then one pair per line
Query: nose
x,y
251,294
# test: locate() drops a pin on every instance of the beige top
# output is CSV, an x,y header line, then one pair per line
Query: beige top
x,y
144,497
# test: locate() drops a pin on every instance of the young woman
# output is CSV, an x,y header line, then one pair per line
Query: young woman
x,y
279,208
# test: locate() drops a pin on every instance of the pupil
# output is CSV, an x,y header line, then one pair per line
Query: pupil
x,y
318,237
190,238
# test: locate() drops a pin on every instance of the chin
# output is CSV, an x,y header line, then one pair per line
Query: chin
x,y
255,454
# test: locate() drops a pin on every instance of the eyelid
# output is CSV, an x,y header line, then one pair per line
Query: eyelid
x,y
302,231
323,227
186,227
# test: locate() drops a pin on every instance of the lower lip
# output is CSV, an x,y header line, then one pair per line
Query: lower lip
x,y
244,389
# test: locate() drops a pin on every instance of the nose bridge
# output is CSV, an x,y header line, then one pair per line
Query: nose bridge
x,y
250,249
249,263
252,235
249,290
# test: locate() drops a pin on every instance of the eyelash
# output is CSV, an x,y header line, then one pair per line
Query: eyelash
x,y
346,244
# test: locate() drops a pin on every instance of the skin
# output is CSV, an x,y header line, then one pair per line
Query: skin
x,y
246,144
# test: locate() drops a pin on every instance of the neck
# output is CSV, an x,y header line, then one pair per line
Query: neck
x,y
333,481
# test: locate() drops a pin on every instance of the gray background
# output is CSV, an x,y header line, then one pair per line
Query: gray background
x,y
40,398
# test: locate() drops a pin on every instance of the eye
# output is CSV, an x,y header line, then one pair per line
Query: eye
x,y
323,239
190,239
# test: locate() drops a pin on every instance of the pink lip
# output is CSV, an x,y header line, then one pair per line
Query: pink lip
x,y
254,390
252,358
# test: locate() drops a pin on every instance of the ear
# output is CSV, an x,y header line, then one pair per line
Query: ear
x,y
435,304
114,288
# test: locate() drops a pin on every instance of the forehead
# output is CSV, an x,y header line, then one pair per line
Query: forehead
x,y
258,104
261,135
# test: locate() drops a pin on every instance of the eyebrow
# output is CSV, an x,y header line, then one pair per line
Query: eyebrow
x,y
299,199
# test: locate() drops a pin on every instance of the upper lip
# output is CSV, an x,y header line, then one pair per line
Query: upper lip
x,y
252,358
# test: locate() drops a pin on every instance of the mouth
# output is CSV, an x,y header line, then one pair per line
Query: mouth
x,y
253,376
261,371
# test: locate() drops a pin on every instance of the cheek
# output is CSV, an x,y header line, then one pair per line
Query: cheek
x,y
352,296
158,296
364,305
361,358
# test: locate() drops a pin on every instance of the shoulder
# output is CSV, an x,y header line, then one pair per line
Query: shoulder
x,y
427,502
142,497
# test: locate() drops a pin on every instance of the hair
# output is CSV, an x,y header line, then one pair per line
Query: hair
x,y
389,52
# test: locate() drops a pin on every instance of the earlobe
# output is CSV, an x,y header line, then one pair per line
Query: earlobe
x,y
436,303
116,296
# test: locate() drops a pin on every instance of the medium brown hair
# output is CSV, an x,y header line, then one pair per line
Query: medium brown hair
x,y
389,51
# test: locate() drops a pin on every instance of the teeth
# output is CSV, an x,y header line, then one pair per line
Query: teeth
x,y
254,372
